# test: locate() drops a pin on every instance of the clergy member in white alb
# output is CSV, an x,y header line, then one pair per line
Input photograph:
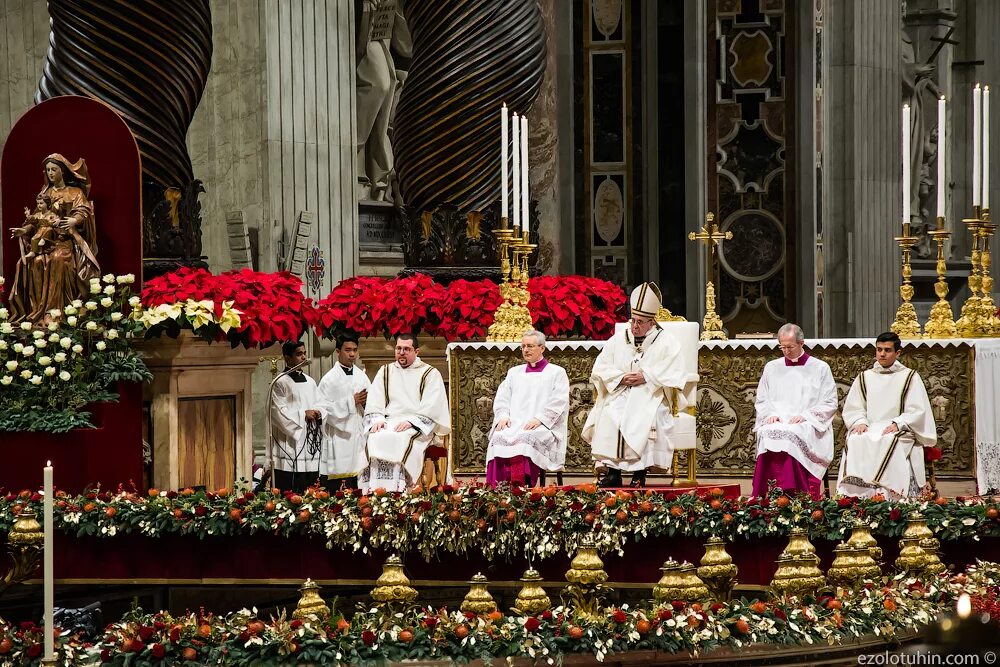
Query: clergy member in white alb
x,y
889,421
343,392
629,424
407,407
296,424
796,402
530,418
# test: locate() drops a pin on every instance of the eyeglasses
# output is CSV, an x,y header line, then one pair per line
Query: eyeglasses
x,y
640,320
528,346
790,347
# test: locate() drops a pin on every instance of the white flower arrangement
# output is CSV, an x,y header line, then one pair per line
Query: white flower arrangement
x,y
194,314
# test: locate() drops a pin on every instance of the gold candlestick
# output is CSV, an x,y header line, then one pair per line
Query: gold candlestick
x,y
512,317
969,325
988,309
905,324
941,323
711,237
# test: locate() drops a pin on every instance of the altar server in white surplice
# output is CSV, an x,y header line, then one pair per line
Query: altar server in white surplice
x,y
296,424
343,392
796,402
407,407
530,418
889,421
629,425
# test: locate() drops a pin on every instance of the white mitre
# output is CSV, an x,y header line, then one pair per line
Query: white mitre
x,y
646,300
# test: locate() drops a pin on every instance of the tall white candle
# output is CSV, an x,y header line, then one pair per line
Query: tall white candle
x,y
986,146
977,146
517,174
47,571
504,156
906,163
525,212
942,152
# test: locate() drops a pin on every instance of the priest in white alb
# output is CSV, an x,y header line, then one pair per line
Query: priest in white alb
x,y
343,392
634,375
889,422
530,418
407,408
796,402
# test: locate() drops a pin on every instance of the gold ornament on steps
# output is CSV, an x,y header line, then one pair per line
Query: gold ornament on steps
x,y
310,603
941,323
718,570
798,570
478,600
393,586
532,598
679,582
711,237
851,565
586,576
905,325
861,536
25,543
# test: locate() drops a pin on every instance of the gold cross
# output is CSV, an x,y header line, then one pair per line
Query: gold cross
x,y
710,236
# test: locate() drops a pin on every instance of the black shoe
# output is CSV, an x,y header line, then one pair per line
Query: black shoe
x,y
638,479
611,479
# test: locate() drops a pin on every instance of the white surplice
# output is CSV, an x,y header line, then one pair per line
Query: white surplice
x,y
807,391
521,397
344,427
415,394
628,426
289,402
894,463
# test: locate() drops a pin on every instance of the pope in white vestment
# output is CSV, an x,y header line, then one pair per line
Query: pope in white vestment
x,y
796,403
889,421
634,376
343,392
530,418
296,425
407,408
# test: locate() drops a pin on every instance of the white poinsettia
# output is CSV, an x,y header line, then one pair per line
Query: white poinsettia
x,y
199,313
230,317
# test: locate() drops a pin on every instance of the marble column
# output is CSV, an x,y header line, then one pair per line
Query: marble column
x,y
862,169
695,150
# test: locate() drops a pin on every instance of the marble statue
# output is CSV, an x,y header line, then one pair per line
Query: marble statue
x,y
921,92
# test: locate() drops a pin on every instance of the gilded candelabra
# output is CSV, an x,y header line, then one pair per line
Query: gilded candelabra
x,y
988,309
711,327
512,318
905,324
970,323
941,323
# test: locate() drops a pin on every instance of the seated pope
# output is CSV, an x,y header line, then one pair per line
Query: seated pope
x,y
796,402
629,426
530,418
889,421
407,408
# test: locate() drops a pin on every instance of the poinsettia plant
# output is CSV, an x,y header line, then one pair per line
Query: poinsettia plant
x,y
352,307
576,306
245,307
468,309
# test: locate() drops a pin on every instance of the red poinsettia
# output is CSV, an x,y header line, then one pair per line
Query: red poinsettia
x,y
575,306
932,454
408,304
467,311
354,305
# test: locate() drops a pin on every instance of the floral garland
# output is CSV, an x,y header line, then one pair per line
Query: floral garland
x,y
498,523
380,634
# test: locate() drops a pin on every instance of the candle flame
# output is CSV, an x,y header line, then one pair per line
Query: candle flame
x,y
906,107
942,98
964,606
977,86
48,464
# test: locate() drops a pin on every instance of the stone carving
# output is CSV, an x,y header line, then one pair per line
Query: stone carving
x,y
609,210
921,92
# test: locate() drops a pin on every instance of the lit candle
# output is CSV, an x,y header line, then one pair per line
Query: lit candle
x,y
906,163
47,571
942,152
525,213
986,147
517,174
977,145
503,163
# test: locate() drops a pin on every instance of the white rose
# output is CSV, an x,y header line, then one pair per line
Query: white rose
x,y
101,346
54,338
71,320
116,317
28,351
36,380
6,379
12,366
111,334
66,343
3,345
108,277
91,326
109,290
95,288
50,371
106,302
77,303
37,334
26,326
53,326
55,312
64,376
90,305
3,313
59,357
78,348
134,301
44,361
6,328
70,310
26,374
40,343
95,280
18,347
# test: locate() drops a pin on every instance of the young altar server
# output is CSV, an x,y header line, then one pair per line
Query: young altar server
x,y
343,392
407,407
633,375
889,421
296,424
530,418
796,402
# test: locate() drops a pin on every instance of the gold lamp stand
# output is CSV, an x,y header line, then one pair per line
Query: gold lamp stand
x,y
989,321
512,318
974,321
711,326
941,323
905,324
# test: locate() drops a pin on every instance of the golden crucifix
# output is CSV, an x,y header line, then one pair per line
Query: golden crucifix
x,y
711,236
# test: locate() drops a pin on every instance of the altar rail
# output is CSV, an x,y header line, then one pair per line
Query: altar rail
x,y
961,377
